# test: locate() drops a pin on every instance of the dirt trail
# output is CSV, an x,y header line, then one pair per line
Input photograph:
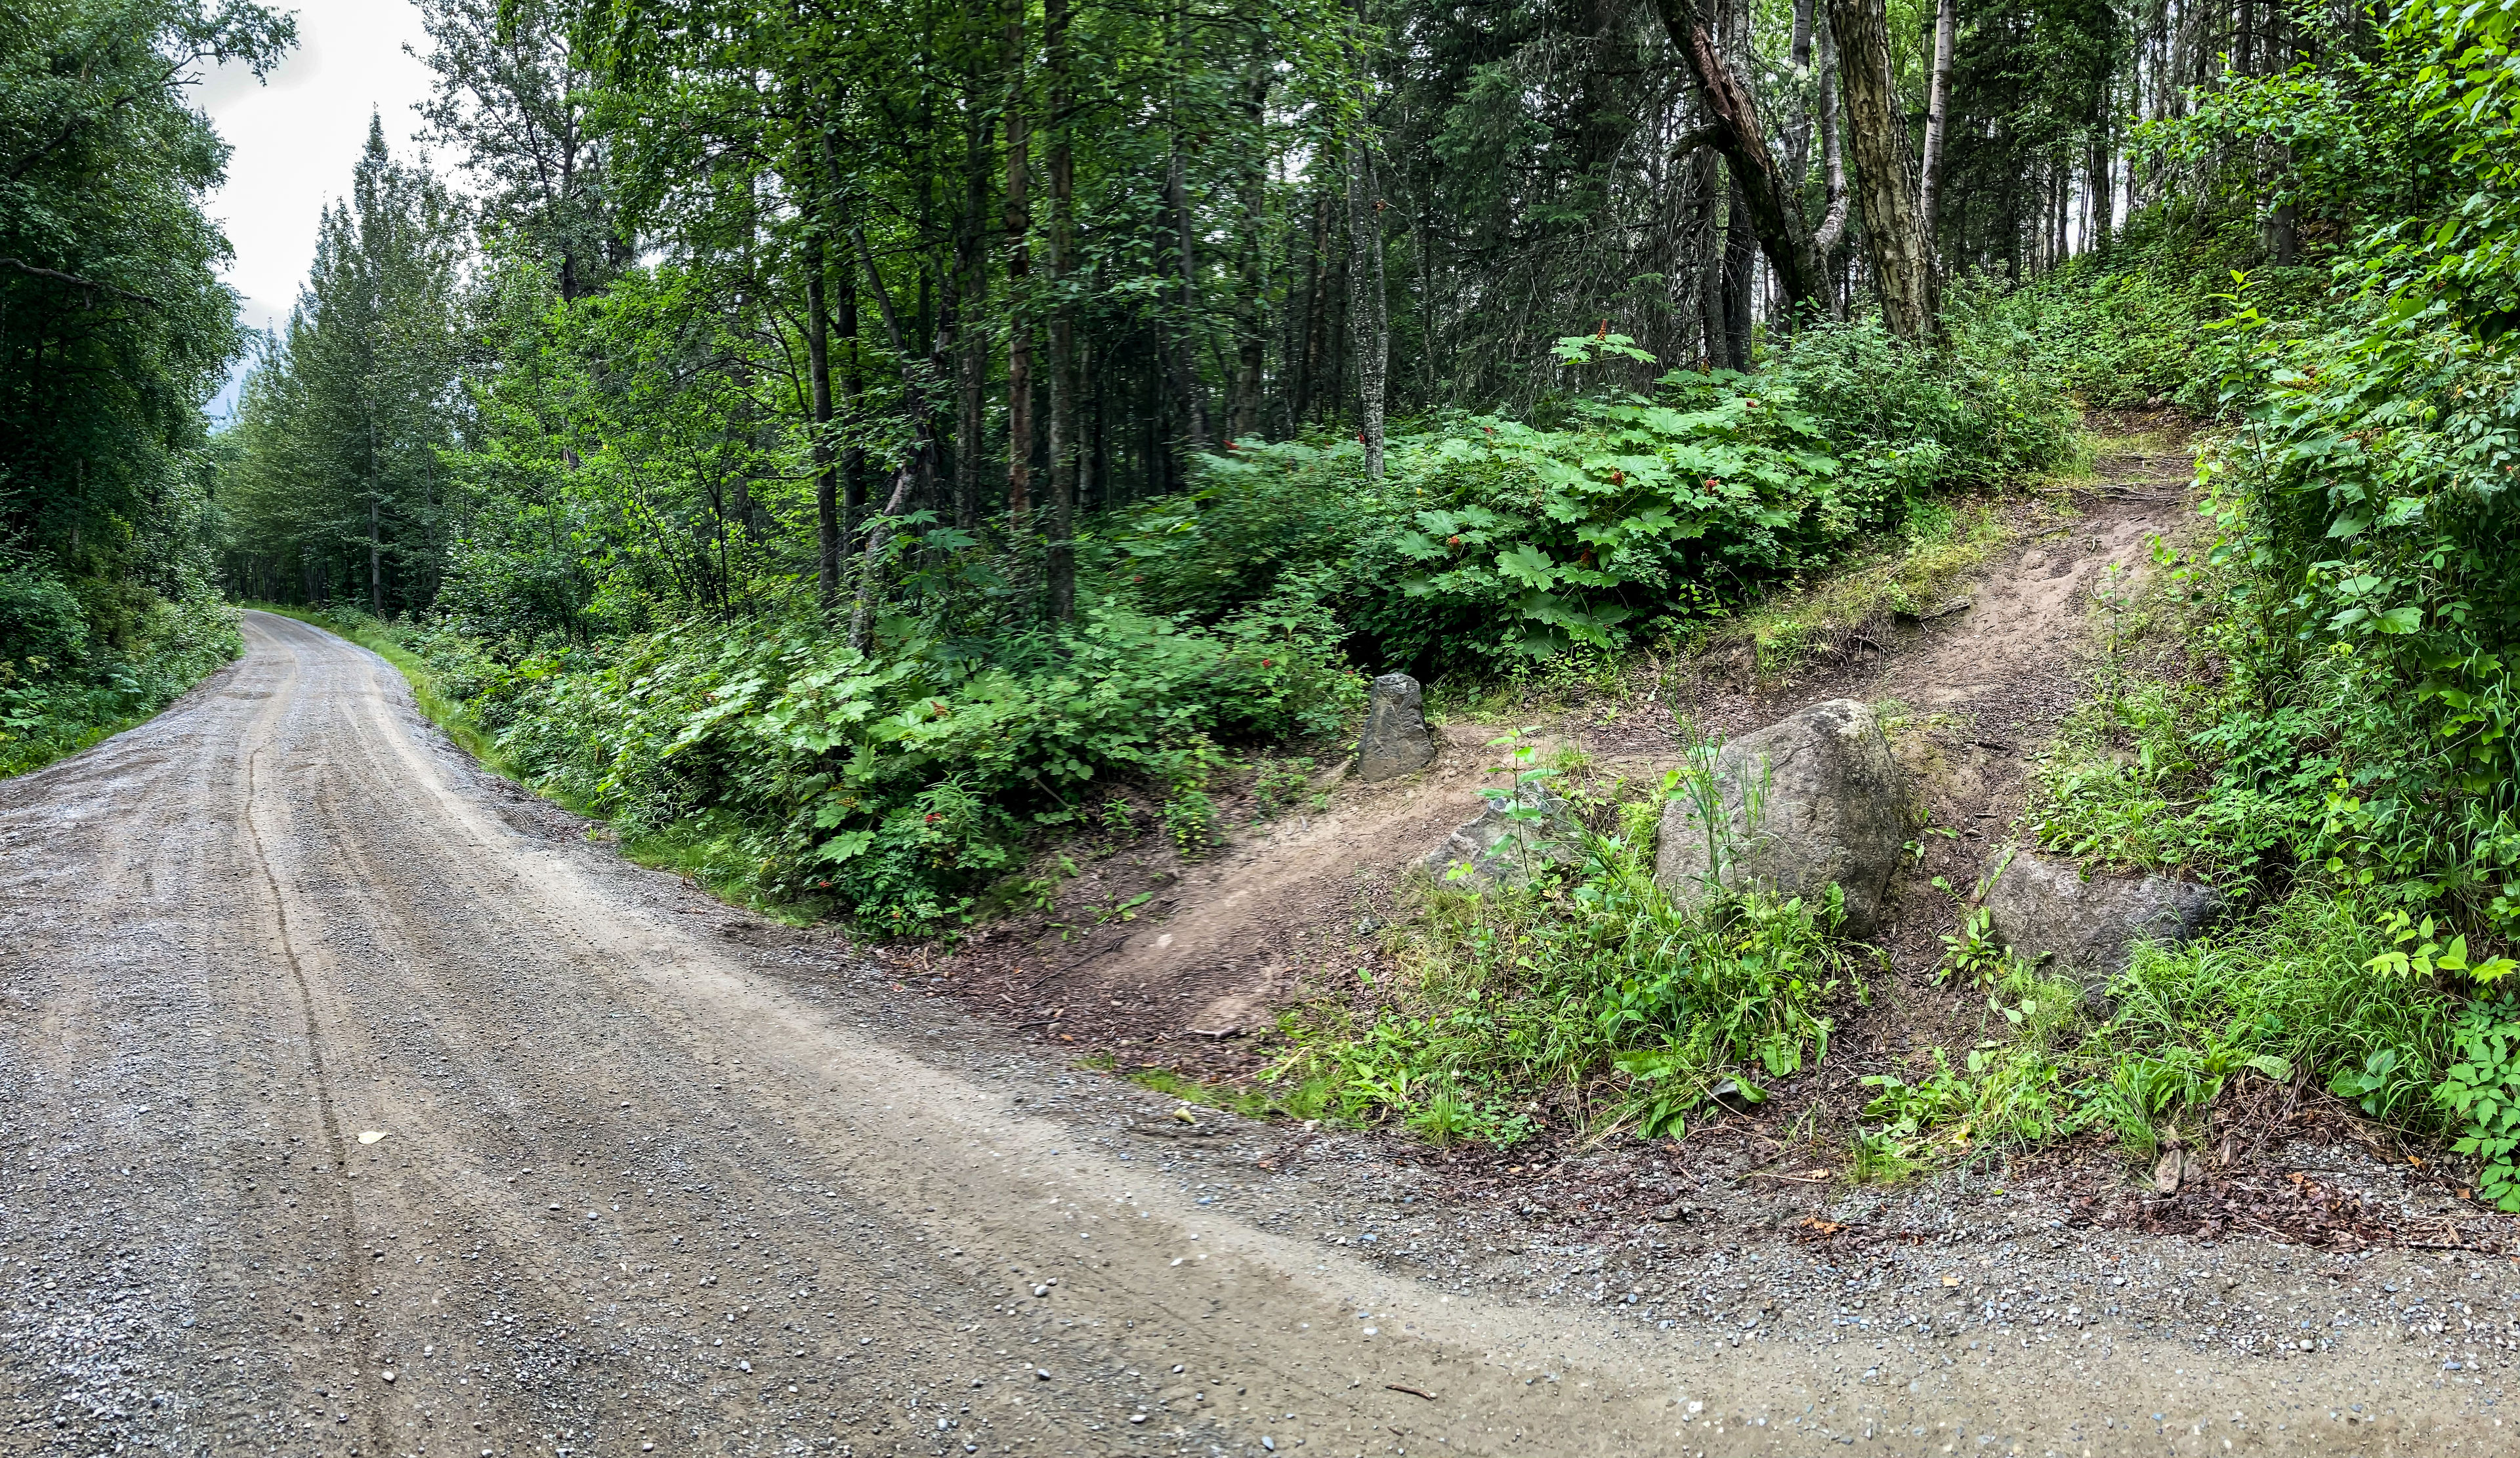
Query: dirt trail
x,y
358,1105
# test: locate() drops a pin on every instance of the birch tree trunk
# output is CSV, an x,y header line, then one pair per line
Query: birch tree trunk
x,y
1832,158
1938,103
1369,324
1895,246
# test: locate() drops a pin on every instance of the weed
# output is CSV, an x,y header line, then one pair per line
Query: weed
x,y
2481,1090
1280,785
1603,991
1973,954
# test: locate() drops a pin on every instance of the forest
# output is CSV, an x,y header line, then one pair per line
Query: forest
x,y
853,448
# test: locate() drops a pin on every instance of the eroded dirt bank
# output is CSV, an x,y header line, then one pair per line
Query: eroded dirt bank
x,y
645,1179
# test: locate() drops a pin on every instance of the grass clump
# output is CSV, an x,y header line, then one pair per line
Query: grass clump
x,y
1592,997
2289,994
1938,548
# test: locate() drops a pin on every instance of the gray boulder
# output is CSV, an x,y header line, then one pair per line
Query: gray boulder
x,y
1829,807
1506,850
2089,926
1395,741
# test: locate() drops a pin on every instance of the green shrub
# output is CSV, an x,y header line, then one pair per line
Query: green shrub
x,y
895,785
64,686
1598,984
1494,541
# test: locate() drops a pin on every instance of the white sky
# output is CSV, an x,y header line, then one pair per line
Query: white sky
x,y
297,137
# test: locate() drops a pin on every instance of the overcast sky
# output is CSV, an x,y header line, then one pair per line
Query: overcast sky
x,y
298,136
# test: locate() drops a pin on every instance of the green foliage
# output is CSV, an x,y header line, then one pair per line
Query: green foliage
x,y
62,691
2289,994
894,786
2364,507
2369,501
1508,540
1596,983
1972,954
2295,988
2482,1091
115,331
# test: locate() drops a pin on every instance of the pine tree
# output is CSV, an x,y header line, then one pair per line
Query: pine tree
x,y
344,425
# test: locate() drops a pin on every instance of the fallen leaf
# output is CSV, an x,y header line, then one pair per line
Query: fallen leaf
x,y
1951,1280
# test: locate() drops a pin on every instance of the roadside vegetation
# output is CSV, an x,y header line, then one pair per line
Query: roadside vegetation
x,y
83,668
115,328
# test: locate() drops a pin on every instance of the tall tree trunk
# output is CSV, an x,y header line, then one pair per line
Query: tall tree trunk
x,y
1312,346
1774,201
1706,248
1252,346
2102,167
1798,121
1832,158
853,472
1368,327
972,258
1895,246
1740,265
818,369
1938,105
1184,367
919,464
1017,217
1062,552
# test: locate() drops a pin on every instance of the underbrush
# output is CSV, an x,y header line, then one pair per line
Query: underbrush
x,y
1495,544
772,762
2289,994
63,687
1591,998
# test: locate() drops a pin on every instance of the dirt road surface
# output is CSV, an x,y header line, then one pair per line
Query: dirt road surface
x,y
350,1103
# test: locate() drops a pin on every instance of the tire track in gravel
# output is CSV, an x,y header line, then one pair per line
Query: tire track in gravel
x,y
320,1087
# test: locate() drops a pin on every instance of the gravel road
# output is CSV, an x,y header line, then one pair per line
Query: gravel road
x,y
351,1102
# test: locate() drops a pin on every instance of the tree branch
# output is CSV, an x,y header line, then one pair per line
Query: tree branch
x,y
24,267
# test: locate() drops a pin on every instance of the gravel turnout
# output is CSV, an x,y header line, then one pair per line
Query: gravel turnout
x,y
357,1103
